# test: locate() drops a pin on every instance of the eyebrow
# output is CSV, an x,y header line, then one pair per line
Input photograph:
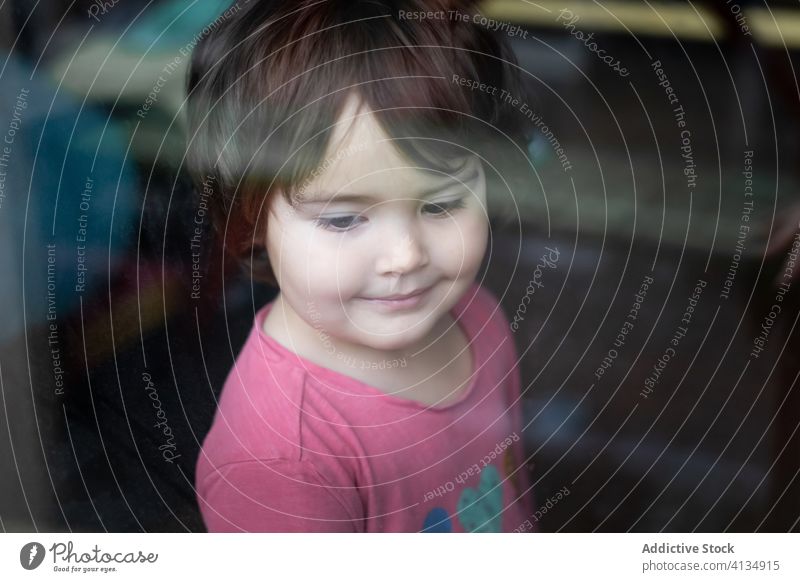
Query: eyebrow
x,y
351,197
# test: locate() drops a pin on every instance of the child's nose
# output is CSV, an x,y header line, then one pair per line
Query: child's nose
x,y
402,253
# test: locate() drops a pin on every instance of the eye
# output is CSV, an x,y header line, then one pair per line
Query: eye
x,y
443,208
338,223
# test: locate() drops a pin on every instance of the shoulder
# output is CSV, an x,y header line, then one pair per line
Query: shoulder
x,y
258,414
271,409
481,306
491,327
255,418
255,471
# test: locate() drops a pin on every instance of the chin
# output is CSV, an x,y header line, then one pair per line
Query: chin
x,y
394,340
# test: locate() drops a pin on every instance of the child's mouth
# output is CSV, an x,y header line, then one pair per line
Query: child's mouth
x,y
400,302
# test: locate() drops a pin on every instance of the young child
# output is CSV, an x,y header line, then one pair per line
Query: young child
x,y
350,145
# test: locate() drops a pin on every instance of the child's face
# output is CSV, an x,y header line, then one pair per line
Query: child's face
x,y
408,230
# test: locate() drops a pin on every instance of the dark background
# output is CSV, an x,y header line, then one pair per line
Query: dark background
x,y
714,447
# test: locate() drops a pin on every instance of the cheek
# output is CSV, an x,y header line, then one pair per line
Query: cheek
x,y
321,264
461,250
332,256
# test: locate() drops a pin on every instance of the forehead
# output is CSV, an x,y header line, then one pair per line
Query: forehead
x,y
362,157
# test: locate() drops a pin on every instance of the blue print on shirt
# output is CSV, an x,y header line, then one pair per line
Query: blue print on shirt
x,y
479,510
437,521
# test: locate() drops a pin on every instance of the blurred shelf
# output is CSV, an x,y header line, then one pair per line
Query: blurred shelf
x,y
772,27
668,19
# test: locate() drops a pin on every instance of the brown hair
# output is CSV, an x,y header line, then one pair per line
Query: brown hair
x,y
266,86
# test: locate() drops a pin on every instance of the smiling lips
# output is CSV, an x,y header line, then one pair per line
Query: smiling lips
x,y
395,302
397,297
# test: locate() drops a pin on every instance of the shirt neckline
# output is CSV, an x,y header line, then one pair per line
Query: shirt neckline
x,y
283,353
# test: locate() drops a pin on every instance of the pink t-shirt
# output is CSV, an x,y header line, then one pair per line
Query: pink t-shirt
x,y
298,447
